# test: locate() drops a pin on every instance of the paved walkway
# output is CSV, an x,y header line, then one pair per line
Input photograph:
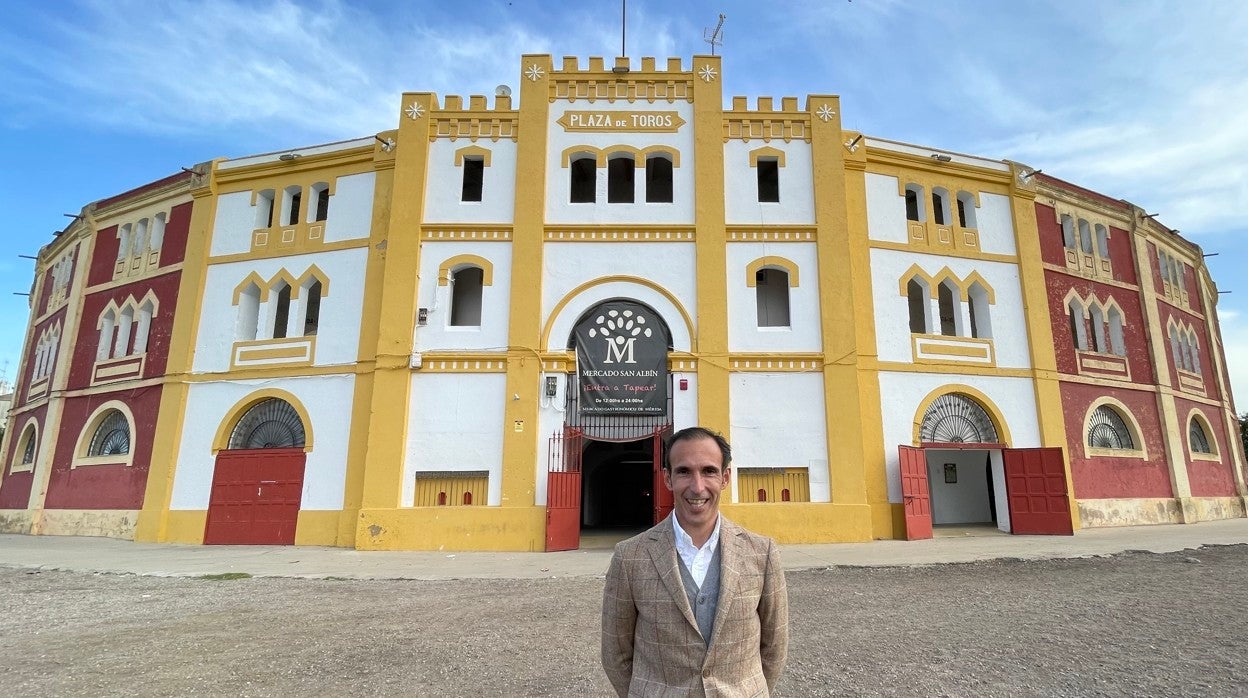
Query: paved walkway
x,y
957,545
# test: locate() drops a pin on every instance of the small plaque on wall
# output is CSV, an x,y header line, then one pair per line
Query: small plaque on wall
x,y
951,473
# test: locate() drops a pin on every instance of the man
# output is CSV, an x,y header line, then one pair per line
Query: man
x,y
696,605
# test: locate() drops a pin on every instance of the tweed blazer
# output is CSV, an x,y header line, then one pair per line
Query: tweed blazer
x,y
651,645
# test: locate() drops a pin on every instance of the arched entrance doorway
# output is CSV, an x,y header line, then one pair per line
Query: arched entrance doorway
x,y
963,473
257,483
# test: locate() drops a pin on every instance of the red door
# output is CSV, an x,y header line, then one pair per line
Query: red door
x,y
255,497
563,492
1035,483
916,499
663,501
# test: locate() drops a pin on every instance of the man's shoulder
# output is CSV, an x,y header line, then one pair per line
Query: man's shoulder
x,y
751,541
645,539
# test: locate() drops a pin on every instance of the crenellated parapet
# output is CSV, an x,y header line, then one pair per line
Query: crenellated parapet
x,y
766,123
477,122
619,82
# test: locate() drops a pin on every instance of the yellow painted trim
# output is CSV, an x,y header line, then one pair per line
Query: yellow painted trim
x,y
944,251
314,273
252,278
595,153
601,155
793,523
974,278
446,529
276,251
994,413
955,369
317,527
246,373
787,233
770,262
766,153
618,278
473,151
308,169
1133,426
473,232
185,526
93,422
283,276
467,362
221,440
775,363
461,261
619,233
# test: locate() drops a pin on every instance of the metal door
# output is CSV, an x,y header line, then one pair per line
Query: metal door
x,y
255,497
1035,483
916,500
663,500
563,491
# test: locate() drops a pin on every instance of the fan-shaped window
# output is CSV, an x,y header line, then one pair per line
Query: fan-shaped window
x,y
270,423
1196,435
955,418
111,437
1106,429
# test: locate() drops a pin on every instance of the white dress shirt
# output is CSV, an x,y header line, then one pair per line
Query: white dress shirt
x,y
698,560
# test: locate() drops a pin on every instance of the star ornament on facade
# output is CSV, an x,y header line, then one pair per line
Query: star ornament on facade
x,y
825,113
415,111
707,73
534,72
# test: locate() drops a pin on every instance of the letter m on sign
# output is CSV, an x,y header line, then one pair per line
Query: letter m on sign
x,y
620,352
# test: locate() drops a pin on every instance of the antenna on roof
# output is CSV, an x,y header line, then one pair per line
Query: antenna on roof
x,y
623,25
715,38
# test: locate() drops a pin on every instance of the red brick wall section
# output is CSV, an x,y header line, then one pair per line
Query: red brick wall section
x,y
173,249
32,352
15,487
1101,477
104,257
1122,254
85,348
1134,330
106,486
1052,251
1208,478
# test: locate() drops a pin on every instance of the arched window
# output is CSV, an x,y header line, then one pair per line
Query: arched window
x,y
1194,350
1196,435
947,301
124,327
112,436
158,231
311,307
1098,329
466,290
966,210
981,320
138,245
467,498
771,296
659,179
621,179
107,323
916,297
1102,241
1068,232
584,179
1085,236
292,204
940,206
281,311
264,208
1106,429
1078,329
955,418
248,313
914,203
145,326
320,192
1117,342
123,242
27,445
762,495
1176,351
270,423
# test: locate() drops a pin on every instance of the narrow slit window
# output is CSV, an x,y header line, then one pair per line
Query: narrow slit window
x,y
914,204
474,176
312,308
916,299
322,202
281,314
768,180
294,198
948,311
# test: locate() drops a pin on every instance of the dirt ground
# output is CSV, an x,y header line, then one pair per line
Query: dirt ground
x,y
1135,624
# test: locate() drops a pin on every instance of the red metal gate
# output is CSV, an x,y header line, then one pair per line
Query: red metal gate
x,y
255,497
663,500
917,500
563,491
1035,483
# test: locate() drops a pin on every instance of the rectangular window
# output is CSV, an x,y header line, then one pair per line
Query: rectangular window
x,y
658,180
322,204
474,174
771,288
296,199
584,182
768,181
621,178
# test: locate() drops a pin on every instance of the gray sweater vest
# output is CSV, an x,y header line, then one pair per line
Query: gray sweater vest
x,y
703,600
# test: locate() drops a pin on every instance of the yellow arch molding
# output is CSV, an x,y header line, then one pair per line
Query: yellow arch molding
x,y
472,151
466,260
314,272
252,278
751,270
974,278
282,275
600,157
554,313
671,153
766,152
912,272
222,438
1003,429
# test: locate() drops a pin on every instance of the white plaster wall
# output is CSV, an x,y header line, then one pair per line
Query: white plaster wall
x,y
350,214
328,401
235,221
558,208
804,331
670,266
438,334
996,224
338,336
901,394
455,423
778,420
965,501
886,209
797,193
892,311
445,182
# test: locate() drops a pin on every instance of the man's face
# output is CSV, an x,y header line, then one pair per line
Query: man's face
x,y
696,478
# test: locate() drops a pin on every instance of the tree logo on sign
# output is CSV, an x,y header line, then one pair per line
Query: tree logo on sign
x,y
619,330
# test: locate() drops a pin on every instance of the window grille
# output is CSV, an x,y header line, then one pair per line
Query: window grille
x,y
1196,434
955,418
270,423
1106,429
112,436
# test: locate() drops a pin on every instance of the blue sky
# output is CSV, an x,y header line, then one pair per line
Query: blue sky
x,y
1139,100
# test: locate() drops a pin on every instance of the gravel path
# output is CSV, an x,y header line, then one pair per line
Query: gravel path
x,y
1129,625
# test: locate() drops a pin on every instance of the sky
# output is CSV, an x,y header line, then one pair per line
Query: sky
x,y
1136,99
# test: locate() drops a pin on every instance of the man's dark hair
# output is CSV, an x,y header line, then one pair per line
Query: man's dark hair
x,y
693,434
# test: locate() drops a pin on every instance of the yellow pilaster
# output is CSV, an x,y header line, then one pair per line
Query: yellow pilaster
x,y
153,521
1049,413
711,253
396,257
524,368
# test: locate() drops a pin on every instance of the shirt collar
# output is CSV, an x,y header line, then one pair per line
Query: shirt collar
x,y
684,539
